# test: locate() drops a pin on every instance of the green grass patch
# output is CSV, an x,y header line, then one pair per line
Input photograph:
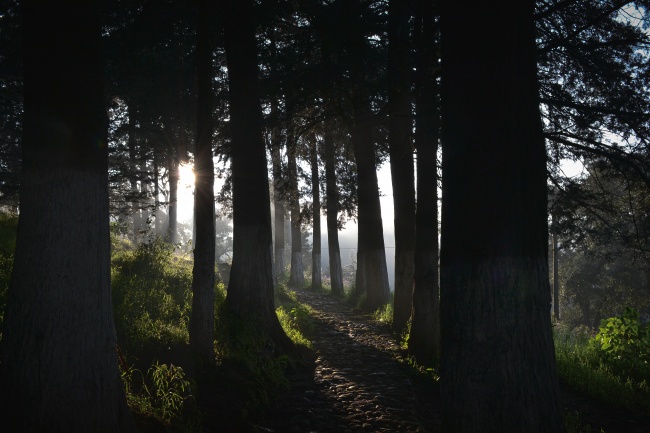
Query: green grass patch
x,y
152,295
384,314
583,368
294,316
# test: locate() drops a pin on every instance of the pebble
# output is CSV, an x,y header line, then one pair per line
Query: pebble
x,y
359,384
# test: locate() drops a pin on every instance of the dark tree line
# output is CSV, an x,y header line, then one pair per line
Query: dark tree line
x,y
341,86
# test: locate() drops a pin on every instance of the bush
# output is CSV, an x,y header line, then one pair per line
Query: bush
x,y
152,294
624,344
165,394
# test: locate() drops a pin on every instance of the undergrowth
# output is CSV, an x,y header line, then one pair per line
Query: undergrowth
x,y
615,376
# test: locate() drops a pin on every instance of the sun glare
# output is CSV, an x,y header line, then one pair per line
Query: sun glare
x,y
186,175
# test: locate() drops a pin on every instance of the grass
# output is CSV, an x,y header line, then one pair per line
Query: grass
x,y
584,370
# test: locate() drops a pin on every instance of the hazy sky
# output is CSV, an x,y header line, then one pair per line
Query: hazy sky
x,y
348,236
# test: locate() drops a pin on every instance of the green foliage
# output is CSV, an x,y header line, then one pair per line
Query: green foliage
x,y
165,394
152,294
294,316
574,424
624,344
248,360
585,370
384,314
297,323
428,374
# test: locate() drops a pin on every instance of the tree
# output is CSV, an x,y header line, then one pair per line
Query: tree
x,y
278,201
250,290
424,339
498,366
60,369
296,273
331,203
401,160
202,319
316,281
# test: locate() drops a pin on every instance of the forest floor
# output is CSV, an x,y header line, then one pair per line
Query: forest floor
x,y
358,381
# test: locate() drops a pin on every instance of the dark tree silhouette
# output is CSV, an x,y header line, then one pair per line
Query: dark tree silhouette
x,y
296,273
331,203
401,160
202,319
59,362
250,290
424,339
316,280
498,363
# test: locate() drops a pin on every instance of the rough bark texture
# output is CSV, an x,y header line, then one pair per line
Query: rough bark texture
x,y
498,363
371,287
336,272
316,280
278,208
250,292
424,339
133,179
556,278
296,274
172,210
401,161
59,362
201,327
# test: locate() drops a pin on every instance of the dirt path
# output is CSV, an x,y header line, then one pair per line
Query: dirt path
x,y
359,383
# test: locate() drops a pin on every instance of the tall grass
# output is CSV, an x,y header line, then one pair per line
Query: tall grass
x,y
586,371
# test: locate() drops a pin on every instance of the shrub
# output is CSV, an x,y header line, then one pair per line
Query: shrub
x,y
152,294
624,343
165,394
384,314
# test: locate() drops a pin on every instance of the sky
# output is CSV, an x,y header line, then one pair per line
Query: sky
x,y
347,236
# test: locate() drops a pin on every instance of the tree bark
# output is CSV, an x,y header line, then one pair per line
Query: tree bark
x,y
372,274
556,277
316,280
401,161
201,327
296,273
424,339
250,292
498,363
278,205
133,178
336,272
59,368
172,209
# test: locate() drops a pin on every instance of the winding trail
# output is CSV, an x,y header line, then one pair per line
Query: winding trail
x,y
359,383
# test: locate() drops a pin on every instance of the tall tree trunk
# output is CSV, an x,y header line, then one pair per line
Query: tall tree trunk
x,y
145,200
424,339
156,192
59,369
133,177
556,277
498,363
336,272
401,160
296,274
250,292
372,274
316,281
278,203
202,318
172,208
